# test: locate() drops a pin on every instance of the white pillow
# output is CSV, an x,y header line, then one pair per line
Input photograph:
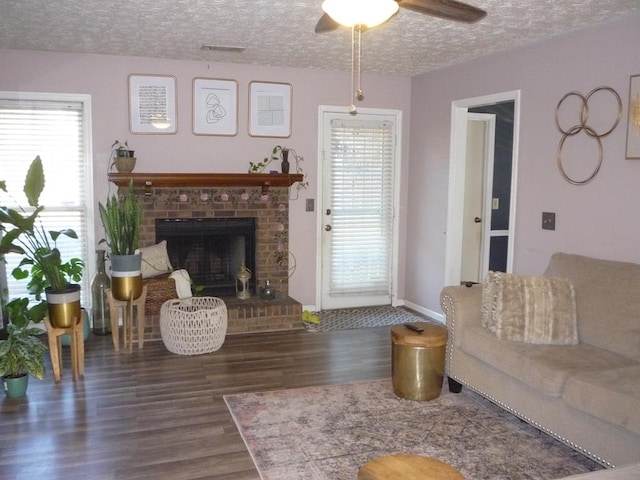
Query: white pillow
x,y
155,260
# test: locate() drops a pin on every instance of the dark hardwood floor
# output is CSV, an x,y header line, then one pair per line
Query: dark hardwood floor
x,y
155,415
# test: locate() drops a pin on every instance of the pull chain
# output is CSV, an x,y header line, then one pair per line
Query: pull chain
x,y
352,108
356,71
359,94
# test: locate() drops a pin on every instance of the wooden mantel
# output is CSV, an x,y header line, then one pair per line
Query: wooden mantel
x,y
168,180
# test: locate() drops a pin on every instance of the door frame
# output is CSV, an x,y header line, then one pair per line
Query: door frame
x,y
395,269
458,147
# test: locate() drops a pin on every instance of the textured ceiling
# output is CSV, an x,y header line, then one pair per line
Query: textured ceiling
x,y
281,32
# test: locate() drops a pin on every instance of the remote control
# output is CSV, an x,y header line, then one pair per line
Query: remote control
x,y
414,328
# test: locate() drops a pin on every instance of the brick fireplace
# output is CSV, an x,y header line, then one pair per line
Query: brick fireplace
x,y
267,202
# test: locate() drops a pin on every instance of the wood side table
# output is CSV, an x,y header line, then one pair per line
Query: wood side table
x,y
407,467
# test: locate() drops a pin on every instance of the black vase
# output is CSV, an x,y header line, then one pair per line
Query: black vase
x,y
285,161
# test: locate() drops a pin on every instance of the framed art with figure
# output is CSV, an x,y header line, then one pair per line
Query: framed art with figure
x,y
215,106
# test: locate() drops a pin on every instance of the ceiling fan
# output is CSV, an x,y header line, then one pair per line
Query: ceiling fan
x,y
362,14
445,9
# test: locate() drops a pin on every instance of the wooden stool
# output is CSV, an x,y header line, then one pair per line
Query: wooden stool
x,y
128,319
418,359
76,332
407,467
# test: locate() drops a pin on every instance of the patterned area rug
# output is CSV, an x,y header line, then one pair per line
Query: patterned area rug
x,y
326,433
347,318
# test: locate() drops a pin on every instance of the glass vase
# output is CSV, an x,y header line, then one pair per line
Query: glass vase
x,y
99,304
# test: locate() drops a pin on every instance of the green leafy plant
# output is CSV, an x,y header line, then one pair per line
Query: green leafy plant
x,y
21,353
121,149
121,217
41,256
276,155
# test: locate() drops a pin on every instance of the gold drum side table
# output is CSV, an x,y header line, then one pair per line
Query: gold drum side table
x,y
418,357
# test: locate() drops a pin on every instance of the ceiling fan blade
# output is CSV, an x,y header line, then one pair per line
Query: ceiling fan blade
x,y
447,9
326,24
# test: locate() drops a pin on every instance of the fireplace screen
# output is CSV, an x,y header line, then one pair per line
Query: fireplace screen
x,y
211,250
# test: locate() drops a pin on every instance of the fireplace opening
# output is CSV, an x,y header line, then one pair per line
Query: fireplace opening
x,y
211,250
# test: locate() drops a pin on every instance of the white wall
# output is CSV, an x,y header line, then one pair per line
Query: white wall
x,y
598,219
105,78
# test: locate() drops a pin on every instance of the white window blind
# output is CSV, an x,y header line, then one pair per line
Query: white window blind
x,y
54,130
361,178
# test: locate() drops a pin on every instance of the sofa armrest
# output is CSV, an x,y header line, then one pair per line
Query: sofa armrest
x,y
462,306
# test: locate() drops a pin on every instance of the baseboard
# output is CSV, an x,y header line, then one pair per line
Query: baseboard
x,y
437,316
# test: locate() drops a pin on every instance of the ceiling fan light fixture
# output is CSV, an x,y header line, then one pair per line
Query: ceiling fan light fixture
x,y
360,12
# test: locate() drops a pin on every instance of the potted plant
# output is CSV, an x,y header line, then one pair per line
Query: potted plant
x,y
121,217
41,261
21,353
278,153
123,158
281,153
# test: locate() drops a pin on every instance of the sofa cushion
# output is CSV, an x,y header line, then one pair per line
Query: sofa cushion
x,y
542,367
607,300
611,395
538,310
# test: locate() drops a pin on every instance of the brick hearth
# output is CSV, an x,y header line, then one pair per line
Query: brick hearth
x,y
271,210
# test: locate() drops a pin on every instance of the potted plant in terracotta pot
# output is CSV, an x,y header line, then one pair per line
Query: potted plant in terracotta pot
x,y
121,216
41,259
22,352
123,158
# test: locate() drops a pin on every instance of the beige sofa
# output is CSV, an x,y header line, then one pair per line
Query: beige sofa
x,y
586,395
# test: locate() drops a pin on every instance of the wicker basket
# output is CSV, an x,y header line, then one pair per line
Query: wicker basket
x,y
194,325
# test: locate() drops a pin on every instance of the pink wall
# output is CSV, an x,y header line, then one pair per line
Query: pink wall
x,y
599,219
105,78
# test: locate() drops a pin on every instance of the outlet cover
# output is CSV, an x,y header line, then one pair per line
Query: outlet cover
x,y
548,220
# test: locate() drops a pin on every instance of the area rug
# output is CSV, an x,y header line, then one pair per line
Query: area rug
x,y
326,433
348,318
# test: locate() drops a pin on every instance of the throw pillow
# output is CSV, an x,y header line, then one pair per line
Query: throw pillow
x,y
155,260
529,309
489,292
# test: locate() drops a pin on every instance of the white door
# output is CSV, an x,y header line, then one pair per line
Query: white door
x,y
359,158
476,224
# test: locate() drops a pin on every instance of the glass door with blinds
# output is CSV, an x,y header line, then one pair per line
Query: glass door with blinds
x,y
359,161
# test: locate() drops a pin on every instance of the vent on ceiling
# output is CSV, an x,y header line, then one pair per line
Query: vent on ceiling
x,y
222,48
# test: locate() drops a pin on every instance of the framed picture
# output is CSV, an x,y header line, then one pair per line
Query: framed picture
x,y
270,109
152,104
215,106
633,123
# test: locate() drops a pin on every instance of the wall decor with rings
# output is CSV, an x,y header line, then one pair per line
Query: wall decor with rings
x,y
584,126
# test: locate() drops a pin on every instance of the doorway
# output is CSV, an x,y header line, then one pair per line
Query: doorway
x,y
359,161
471,253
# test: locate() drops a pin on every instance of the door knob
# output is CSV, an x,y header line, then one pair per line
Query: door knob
x,y
327,228
328,211
477,219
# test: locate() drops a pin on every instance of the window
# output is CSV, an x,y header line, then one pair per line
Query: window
x,y
55,127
